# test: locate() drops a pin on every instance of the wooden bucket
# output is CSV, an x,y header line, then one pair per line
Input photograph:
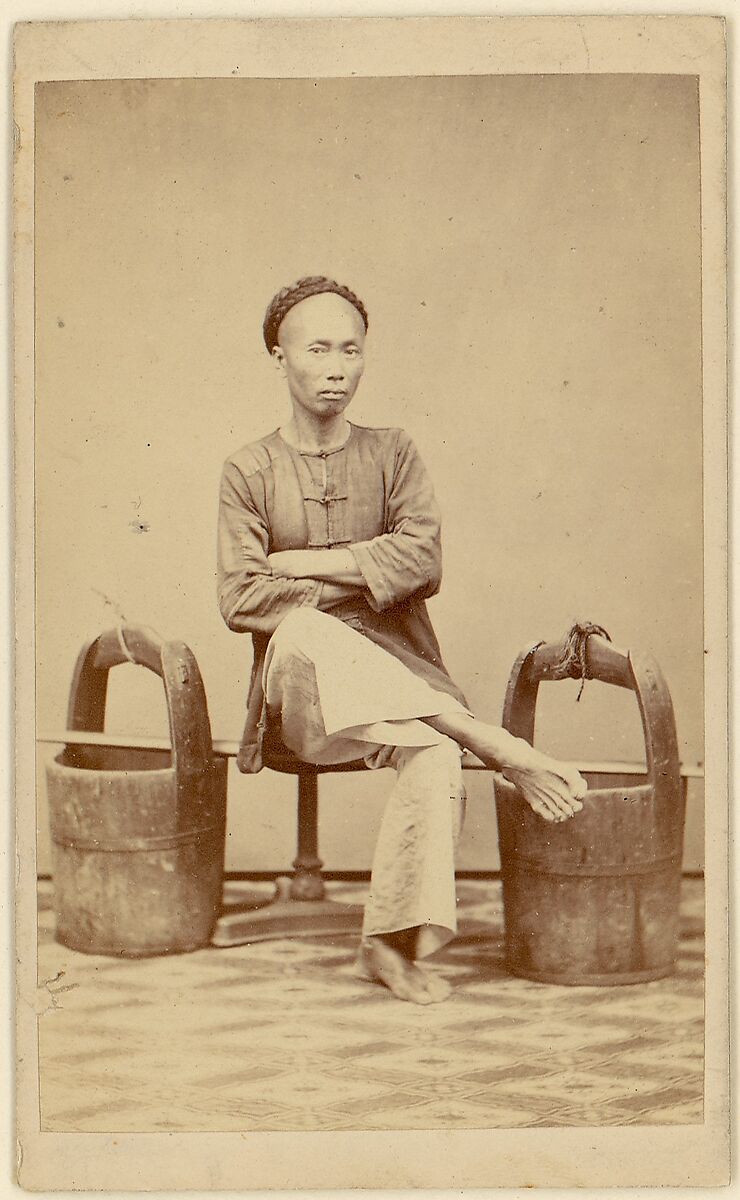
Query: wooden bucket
x,y
595,900
137,835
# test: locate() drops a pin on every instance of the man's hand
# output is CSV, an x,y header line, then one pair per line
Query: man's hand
x,y
331,566
292,564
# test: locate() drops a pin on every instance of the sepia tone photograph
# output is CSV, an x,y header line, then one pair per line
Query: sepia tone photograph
x,y
369,607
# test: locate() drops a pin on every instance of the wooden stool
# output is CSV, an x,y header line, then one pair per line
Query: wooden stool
x,y
300,906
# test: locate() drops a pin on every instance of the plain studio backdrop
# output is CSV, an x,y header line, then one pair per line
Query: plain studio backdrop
x,y
528,248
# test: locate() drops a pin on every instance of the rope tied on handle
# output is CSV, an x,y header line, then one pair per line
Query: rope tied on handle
x,y
572,663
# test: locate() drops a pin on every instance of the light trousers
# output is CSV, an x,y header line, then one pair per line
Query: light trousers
x,y
340,697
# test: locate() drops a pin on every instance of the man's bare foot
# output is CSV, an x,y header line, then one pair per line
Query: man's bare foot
x,y
547,795
553,789
379,961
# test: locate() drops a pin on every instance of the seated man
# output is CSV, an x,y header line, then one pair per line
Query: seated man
x,y
329,543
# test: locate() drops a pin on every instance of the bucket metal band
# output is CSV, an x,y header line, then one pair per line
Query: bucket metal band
x,y
131,844
595,870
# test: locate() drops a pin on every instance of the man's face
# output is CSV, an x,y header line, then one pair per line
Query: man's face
x,y
320,352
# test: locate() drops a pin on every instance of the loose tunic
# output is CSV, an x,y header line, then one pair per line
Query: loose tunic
x,y
372,496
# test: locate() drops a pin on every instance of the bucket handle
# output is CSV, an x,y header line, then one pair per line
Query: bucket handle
x,y
174,662
606,663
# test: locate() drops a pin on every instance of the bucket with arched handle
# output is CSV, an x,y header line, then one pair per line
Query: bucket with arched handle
x,y
137,835
594,900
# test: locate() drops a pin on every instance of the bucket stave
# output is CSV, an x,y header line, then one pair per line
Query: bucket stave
x,y
138,836
595,900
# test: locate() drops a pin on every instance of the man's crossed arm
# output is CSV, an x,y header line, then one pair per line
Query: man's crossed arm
x,y
336,566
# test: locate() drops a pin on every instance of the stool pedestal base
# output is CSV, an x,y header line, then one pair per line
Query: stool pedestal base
x,y
282,916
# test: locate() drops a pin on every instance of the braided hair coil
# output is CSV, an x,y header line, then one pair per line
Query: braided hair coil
x,y
288,297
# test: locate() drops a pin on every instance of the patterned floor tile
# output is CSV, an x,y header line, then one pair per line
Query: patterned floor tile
x,y
453,1114
371,1106
689,1113
567,1118
616,1046
649,1070
323,1050
506,1075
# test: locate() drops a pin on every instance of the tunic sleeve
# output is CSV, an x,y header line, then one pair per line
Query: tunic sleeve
x,y
250,597
407,558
